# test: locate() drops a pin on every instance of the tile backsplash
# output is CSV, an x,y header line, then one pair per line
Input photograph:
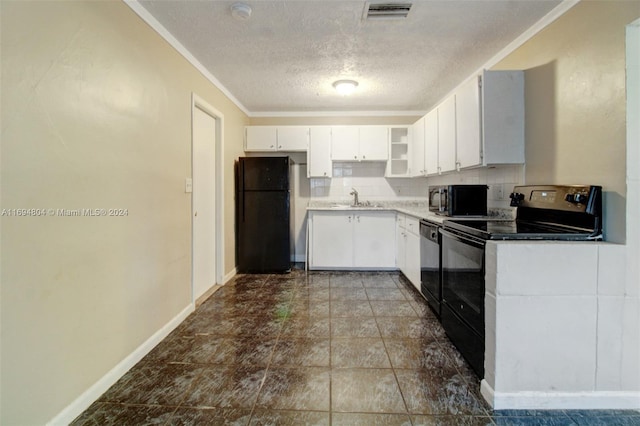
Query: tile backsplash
x,y
499,179
368,179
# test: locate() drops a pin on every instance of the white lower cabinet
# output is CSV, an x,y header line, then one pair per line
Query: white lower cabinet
x,y
330,239
351,240
373,235
408,247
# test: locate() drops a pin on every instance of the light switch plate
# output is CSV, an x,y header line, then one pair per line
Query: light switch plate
x,y
188,185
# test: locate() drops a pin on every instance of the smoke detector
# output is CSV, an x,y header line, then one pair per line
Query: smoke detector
x,y
241,11
379,10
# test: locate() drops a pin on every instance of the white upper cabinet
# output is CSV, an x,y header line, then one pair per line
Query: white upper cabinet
x,y
276,138
468,144
417,148
490,120
502,126
359,143
261,138
447,135
374,143
431,142
319,154
293,138
399,151
345,141
481,124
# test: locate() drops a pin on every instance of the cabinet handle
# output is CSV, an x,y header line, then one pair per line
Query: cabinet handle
x,y
355,157
349,219
358,217
439,170
363,157
271,146
457,166
279,146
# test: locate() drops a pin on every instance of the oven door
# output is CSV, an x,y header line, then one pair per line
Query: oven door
x,y
463,287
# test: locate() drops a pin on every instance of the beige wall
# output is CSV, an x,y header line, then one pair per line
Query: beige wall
x,y
96,113
575,102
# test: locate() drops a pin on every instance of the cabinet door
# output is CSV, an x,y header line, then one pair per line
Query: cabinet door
x,y
374,240
447,135
344,143
468,143
401,241
319,152
503,117
331,241
417,148
293,138
431,142
413,259
374,143
260,138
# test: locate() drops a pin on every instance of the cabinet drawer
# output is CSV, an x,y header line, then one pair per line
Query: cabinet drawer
x,y
412,225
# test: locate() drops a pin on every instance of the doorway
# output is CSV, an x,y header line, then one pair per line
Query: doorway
x,y
206,214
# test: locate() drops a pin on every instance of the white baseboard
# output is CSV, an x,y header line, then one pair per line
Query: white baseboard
x,y
230,275
89,396
601,400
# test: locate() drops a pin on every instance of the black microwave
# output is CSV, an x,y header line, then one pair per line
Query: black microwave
x,y
458,200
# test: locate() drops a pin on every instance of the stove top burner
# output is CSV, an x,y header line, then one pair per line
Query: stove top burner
x,y
518,230
550,212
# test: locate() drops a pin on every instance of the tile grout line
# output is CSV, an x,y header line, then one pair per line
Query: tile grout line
x,y
393,369
271,356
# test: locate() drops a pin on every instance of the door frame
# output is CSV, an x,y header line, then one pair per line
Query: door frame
x,y
200,103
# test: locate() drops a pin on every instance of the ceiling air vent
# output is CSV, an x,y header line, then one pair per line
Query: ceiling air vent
x,y
386,10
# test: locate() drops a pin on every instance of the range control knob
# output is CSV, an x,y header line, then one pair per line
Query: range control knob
x,y
576,198
516,198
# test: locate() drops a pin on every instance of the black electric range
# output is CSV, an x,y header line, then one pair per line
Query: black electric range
x,y
544,212
551,212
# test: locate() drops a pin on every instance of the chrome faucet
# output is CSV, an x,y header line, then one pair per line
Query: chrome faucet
x,y
355,197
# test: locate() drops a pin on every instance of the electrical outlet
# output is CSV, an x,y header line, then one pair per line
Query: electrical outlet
x,y
188,185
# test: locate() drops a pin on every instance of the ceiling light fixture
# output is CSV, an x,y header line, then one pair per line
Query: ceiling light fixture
x,y
241,11
345,87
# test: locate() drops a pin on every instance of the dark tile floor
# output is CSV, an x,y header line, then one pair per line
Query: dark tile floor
x,y
312,349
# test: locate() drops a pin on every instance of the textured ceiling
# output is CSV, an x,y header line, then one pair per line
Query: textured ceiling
x,y
287,55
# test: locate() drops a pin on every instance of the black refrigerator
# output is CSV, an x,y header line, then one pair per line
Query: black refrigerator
x,y
263,218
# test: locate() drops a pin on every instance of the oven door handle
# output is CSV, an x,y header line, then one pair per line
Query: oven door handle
x,y
463,238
